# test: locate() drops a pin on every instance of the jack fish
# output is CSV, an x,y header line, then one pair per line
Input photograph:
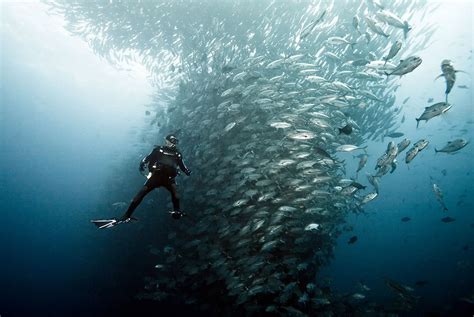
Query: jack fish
x,y
433,111
406,66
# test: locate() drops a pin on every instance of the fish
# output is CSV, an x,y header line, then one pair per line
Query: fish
x,y
433,111
358,296
375,4
403,145
453,146
362,162
449,74
369,197
349,148
301,135
229,126
312,226
308,29
448,219
374,26
463,86
403,291
356,23
367,37
374,181
406,219
421,144
336,40
393,20
352,240
347,129
119,205
360,62
357,185
322,152
280,125
405,66
394,49
363,287
439,196
395,135
430,100
411,154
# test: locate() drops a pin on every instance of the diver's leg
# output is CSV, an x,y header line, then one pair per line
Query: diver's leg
x,y
171,187
147,187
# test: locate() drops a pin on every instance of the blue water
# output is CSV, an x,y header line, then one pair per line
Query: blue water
x,y
63,137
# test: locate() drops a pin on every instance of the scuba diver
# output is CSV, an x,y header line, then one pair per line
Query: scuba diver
x,y
162,163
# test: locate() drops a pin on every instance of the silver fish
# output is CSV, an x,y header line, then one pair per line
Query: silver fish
x,y
374,26
403,145
349,148
453,146
369,197
355,24
362,162
439,196
449,74
406,66
393,51
307,30
393,20
421,144
411,154
433,111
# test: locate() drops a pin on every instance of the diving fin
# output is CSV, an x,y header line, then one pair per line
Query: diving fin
x,y
102,223
109,223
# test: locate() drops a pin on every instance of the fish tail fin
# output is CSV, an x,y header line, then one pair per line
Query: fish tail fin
x,y
436,151
387,74
417,122
406,29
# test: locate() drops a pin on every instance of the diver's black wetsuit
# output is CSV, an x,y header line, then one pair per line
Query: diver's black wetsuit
x,y
163,163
